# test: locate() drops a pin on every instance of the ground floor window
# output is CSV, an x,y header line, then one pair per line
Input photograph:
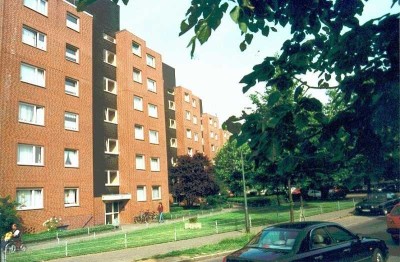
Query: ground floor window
x,y
30,198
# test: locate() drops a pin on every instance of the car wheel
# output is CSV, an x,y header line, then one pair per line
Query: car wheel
x,y
377,256
12,248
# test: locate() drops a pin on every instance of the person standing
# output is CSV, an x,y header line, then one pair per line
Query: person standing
x,y
160,213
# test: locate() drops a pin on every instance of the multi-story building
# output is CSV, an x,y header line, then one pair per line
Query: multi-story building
x,y
211,135
46,111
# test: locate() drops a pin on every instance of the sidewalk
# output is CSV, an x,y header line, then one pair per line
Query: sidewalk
x,y
133,254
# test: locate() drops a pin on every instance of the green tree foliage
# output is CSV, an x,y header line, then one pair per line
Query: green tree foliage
x,y
8,214
193,178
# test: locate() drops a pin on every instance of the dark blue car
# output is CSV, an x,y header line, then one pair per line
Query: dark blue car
x,y
310,241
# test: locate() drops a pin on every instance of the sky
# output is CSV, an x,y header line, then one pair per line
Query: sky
x,y
213,74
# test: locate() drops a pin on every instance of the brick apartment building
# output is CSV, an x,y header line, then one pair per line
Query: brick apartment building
x,y
212,141
46,110
90,118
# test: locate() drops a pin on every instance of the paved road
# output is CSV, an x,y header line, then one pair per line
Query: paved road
x,y
362,225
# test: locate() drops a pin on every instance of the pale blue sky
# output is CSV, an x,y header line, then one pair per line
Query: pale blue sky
x,y
215,71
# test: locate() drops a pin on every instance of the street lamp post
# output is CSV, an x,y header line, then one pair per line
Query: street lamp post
x,y
246,211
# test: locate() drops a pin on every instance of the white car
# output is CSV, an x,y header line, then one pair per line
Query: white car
x,y
314,193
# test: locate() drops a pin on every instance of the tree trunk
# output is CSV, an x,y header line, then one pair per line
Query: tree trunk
x,y
291,212
278,199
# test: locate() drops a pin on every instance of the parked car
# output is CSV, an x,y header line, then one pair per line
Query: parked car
x,y
377,203
310,241
334,193
393,223
314,193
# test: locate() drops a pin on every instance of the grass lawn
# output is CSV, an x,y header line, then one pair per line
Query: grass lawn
x,y
174,231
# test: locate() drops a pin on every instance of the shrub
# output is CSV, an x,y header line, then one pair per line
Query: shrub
x,y
217,200
52,223
8,215
175,209
193,220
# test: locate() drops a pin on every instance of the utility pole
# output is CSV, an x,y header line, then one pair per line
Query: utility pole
x,y
246,210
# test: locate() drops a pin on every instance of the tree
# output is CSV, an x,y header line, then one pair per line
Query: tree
x,y
8,215
193,178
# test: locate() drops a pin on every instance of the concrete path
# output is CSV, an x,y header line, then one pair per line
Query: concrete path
x,y
139,253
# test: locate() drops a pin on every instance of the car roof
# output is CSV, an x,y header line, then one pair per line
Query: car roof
x,y
301,225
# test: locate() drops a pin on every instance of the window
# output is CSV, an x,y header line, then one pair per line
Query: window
x,y
151,85
32,75
187,115
138,103
136,49
110,85
215,123
71,121
173,142
190,151
187,97
109,58
194,102
109,38
71,86
155,164
31,114
73,2
72,22
338,234
156,192
30,198
71,158
212,148
71,197
153,137
216,137
195,120
33,38
211,121
188,133
112,178
171,105
137,75
196,137
212,134
152,110
172,123
30,155
139,132
171,91
150,60
141,193
37,5
111,116
111,146
72,53
140,164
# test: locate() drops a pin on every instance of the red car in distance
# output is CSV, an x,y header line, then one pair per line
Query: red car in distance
x,y
393,223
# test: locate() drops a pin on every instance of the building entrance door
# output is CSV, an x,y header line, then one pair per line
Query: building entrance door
x,y
112,213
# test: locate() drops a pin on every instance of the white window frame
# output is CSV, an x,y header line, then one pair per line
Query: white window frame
x,y
137,75
39,75
196,137
190,151
110,181
188,133
106,55
35,42
107,116
109,38
194,120
171,91
73,55
35,203
193,102
153,137
139,132
37,6
187,97
158,190
72,25
171,105
150,60
151,85
212,134
108,146
32,161
72,90
75,153
37,116
152,112
107,88
173,142
155,164
76,128
138,103
140,162
136,49
142,197
212,148
68,202
187,115
172,123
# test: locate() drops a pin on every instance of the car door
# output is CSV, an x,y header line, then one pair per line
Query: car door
x,y
324,249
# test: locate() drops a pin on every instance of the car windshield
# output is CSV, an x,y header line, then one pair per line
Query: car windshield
x,y
380,196
275,238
